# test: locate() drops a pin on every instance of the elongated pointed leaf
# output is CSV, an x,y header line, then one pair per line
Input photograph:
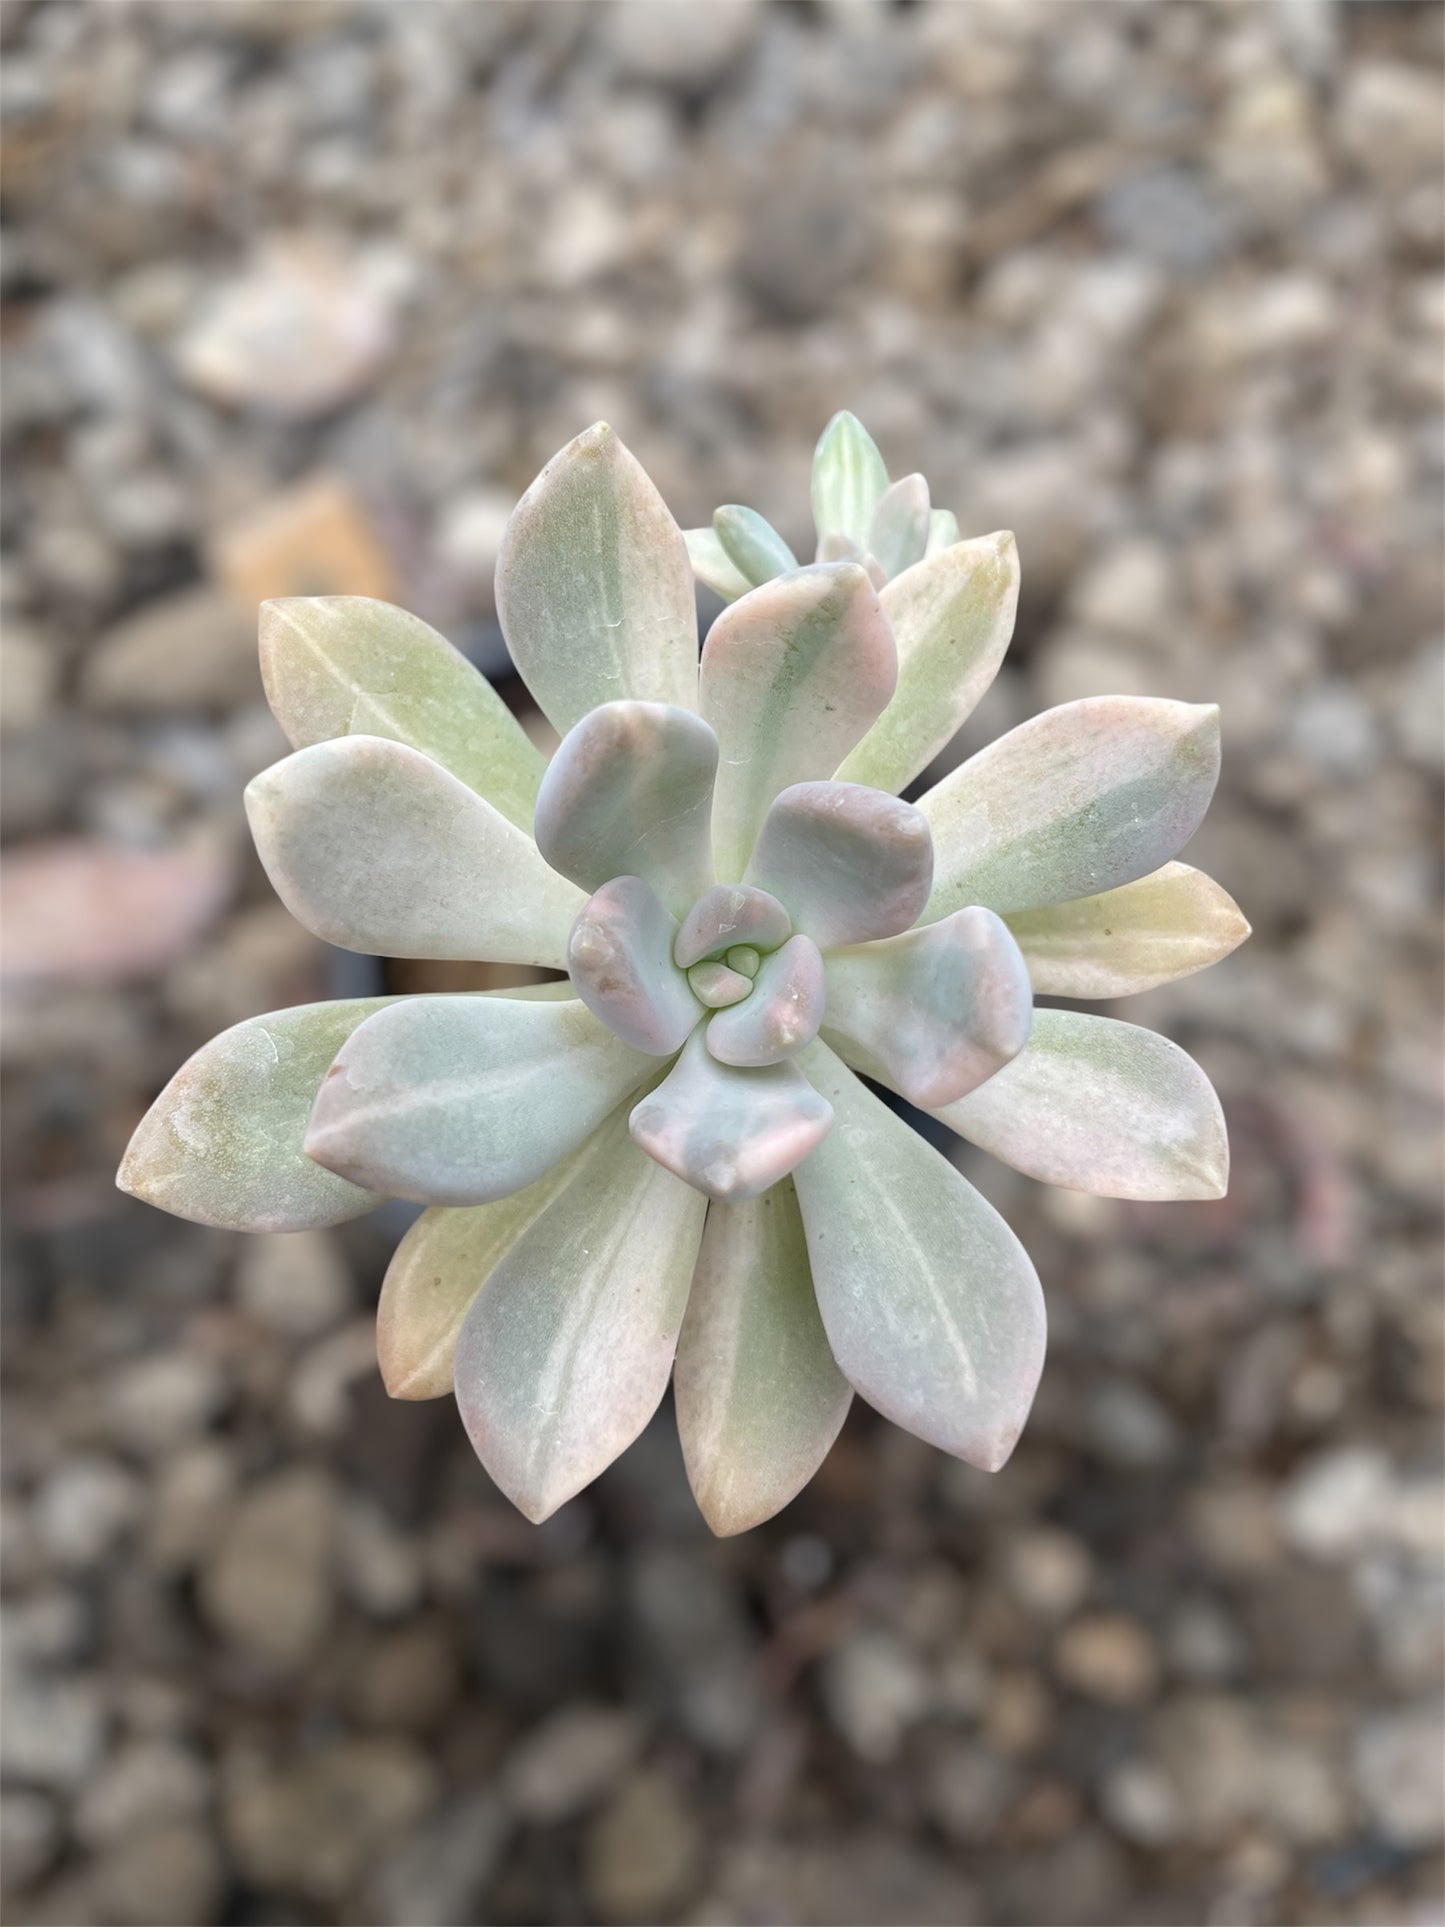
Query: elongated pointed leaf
x,y
942,530
899,535
565,1355
713,566
935,1012
459,1100
1096,1105
932,1308
782,1014
730,1133
438,1269
1166,925
629,793
594,585
792,677
345,665
1076,801
376,848
952,616
848,480
754,545
222,1144
850,863
620,959
727,915
759,1398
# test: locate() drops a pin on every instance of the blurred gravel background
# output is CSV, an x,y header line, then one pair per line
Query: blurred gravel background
x,y
298,297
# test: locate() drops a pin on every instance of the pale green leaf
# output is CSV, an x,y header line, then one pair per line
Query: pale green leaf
x,y
850,863
620,959
1163,926
713,566
752,544
899,535
781,1015
849,479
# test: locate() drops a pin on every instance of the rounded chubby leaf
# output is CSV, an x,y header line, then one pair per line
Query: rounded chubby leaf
x,y
717,984
899,535
620,959
792,676
377,848
594,585
731,1133
727,916
459,1100
850,863
629,793
1166,925
347,665
222,1144
1096,1105
932,1308
1076,801
752,543
566,1353
935,1012
952,616
759,1399
713,566
782,1014
849,479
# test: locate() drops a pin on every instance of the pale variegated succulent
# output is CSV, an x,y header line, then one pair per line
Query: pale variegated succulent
x,y
668,1165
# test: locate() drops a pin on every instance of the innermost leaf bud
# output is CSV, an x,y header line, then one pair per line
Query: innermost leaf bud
x,y
717,986
742,957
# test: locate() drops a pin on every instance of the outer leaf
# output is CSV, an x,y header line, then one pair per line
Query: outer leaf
x,y
728,915
594,585
753,544
848,480
629,793
759,1398
345,665
931,1306
952,616
222,1144
458,1100
565,1355
438,1269
377,848
1096,1105
620,957
730,1133
713,566
1164,926
1079,800
899,534
850,863
782,1014
935,1012
792,677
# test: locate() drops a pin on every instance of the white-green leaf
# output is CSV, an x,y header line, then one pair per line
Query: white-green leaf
x,y
375,847
780,1016
458,1100
620,959
1164,926
565,1355
899,535
850,863
759,1399
728,915
752,543
952,616
629,793
793,675
1079,800
594,585
932,1308
346,665
935,1012
713,566
222,1144
1096,1105
942,530
849,478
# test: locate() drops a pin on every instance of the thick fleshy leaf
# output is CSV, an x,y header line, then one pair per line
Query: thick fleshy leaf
x,y
566,1354
1164,926
899,535
744,959
620,959
781,1016
731,1133
935,1012
728,915
377,848
594,585
222,1144
1076,801
752,543
458,1100
793,675
850,863
952,616
932,1308
942,530
346,665
1096,1105
713,566
848,480
629,793
438,1269
759,1399
717,984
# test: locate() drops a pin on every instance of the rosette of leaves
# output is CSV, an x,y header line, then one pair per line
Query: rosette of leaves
x,y
668,1165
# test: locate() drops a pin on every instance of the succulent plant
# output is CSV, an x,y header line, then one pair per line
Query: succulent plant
x,y
668,1164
